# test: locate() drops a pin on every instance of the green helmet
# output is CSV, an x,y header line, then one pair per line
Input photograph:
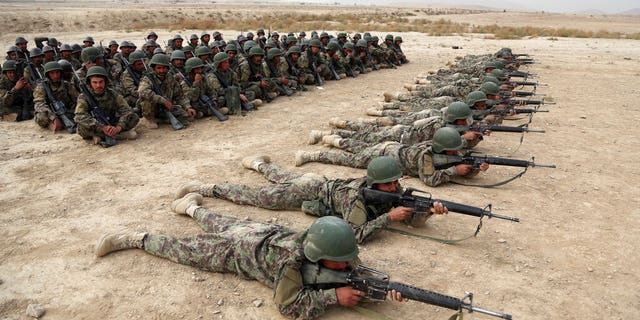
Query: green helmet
x,y
375,39
330,238
248,45
231,47
270,43
96,71
397,38
366,34
260,31
446,138
65,47
491,78
184,49
490,88
20,40
65,65
160,59
388,37
456,111
256,51
274,52
36,52
382,170
193,63
294,49
219,58
203,50
475,96
135,56
113,43
52,66
348,45
46,49
361,43
151,44
90,54
342,35
491,65
357,36
177,54
315,43
333,47
324,35
176,37
88,39
9,65
499,74
501,62
291,39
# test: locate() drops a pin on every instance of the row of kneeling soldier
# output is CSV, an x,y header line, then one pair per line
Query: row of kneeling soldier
x,y
178,84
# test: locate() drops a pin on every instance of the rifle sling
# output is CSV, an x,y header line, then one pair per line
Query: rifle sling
x,y
495,184
445,241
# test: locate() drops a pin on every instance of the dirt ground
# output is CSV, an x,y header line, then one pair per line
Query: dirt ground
x,y
573,256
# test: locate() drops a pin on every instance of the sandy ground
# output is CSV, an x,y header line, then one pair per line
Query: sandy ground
x,y
573,256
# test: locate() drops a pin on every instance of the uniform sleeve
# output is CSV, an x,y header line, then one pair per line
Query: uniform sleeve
x,y
296,301
7,95
362,228
145,91
40,99
83,116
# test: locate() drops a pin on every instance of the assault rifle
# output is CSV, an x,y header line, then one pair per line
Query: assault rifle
x,y
276,74
333,69
96,113
483,129
422,204
134,76
511,110
443,161
257,77
59,108
319,80
203,99
34,77
513,93
375,284
516,102
177,125
293,70
520,74
526,83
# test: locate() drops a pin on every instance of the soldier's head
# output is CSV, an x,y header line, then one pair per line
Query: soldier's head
x,y
177,58
477,100
53,71
193,40
97,79
333,47
260,33
342,37
203,53
193,66
88,41
302,35
397,40
499,74
152,36
250,36
383,174
388,39
315,45
205,37
275,36
231,50
177,41
12,53
160,64
348,48
36,56
113,47
48,53
458,114
291,41
274,55
446,140
357,37
188,52
67,69
247,45
217,36
294,53
221,61
215,47
491,89
136,59
91,56
65,51
9,69
21,43
77,51
151,46
331,242
324,38
126,47
256,54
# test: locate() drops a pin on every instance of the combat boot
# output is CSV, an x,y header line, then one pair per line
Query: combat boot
x,y
386,106
148,123
303,157
374,112
11,117
254,162
256,102
388,96
410,87
119,241
316,135
338,123
332,140
127,135
187,204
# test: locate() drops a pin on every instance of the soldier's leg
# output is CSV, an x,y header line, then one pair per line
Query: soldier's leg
x,y
204,251
181,114
277,174
44,119
148,111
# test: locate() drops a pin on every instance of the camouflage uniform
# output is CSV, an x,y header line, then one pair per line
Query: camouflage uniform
x,y
229,78
113,107
13,101
249,78
151,103
63,92
194,92
415,160
405,134
291,191
417,104
269,254
308,59
408,118
128,87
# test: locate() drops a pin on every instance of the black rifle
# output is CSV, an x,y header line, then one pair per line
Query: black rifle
x,y
515,102
315,69
34,77
422,204
333,69
507,111
59,108
483,129
203,99
519,93
177,125
443,161
520,74
375,284
96,113
526,83
134,76
256,77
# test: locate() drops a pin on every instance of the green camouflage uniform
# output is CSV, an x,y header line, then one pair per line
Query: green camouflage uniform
x,y
113,107
408,118
290,191
128,87
64,92
416,104
415,160
194,92
12,101
248,78
307,59
275,75
230,78
269,254
27,73
151,103
405,134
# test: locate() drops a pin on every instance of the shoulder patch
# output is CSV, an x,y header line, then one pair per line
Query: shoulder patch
x,y
427,165
358,215
288,287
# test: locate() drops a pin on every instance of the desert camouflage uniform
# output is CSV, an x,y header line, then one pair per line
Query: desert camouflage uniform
x,y
405,134
269,254
113,107
415,160
150,102
291,190
64,92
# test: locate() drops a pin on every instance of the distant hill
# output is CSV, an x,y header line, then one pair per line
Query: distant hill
x,y
631,11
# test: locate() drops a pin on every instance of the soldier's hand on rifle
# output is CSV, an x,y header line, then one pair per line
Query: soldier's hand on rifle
x,y
471,135
439,208
167,104
463,169
395,296
20,84
484,166
399,213
348,297
111,131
